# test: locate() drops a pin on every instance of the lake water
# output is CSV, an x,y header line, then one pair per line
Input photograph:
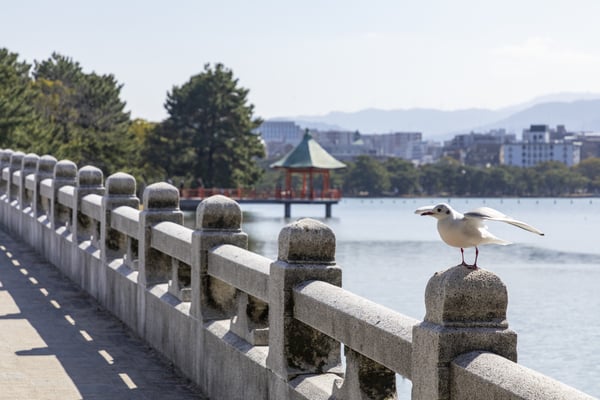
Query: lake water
x,y
388,253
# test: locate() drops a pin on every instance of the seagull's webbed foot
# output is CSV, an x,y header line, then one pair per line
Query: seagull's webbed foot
x,y
474,266
469,266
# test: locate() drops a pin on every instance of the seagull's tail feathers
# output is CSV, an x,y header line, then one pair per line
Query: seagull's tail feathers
x,y
488,238
494,215
495,240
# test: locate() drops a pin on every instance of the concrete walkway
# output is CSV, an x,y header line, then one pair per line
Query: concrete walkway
x,y
56,342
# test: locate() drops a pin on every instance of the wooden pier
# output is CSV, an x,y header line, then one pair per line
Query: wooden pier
x,y
190,198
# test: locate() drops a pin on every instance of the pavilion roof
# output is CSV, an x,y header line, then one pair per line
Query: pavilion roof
x,y
308,154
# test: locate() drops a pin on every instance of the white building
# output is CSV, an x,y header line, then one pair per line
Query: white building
x,y
406,145
280,136
536,147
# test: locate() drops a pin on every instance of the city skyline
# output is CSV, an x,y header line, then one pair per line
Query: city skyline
x,y
317,57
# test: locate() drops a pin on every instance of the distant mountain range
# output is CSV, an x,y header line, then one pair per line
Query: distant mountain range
x,y
577,111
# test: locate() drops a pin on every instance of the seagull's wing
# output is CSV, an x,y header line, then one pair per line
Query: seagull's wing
x,y
494,215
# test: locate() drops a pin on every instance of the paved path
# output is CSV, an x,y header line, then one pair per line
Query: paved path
x,y
56,342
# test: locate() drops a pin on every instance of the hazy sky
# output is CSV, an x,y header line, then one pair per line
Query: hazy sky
x,y
313,57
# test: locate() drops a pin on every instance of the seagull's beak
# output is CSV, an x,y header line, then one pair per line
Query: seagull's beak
x,y
427,210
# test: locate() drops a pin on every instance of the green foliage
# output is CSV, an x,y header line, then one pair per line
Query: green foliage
x,y
403,176
448,177
367,176
17,116
143,163
590,169
210,129
84,118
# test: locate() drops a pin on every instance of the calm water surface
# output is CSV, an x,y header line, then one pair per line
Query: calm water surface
x,y
388,254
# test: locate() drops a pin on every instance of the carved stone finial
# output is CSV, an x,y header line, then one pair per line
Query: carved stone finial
x,y
161,196
219,212
465,297
120,184
307,241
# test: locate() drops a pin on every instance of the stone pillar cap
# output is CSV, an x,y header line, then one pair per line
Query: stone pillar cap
x,y
161,196
65,169
30,162
120,184
16,159
463,297
219,212
90,176
46,164
307,241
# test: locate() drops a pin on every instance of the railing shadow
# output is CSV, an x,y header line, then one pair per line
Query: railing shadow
x,y
99,357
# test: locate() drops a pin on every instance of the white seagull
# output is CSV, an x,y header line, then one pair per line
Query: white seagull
x,y
469,230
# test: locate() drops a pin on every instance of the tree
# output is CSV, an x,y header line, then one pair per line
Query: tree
x,y
17,115
210,130
557,179
84,115
590,168
366,174
404,177
145,157
431,181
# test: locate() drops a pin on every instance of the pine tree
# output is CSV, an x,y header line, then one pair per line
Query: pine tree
x,y
210,129
17,116
84,114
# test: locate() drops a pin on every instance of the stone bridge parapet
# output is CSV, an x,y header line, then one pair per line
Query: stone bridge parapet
x,y
242,326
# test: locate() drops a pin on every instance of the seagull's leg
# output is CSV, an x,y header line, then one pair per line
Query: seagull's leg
x,y
474,266
462,253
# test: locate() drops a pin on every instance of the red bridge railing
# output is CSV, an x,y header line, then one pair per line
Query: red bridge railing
x,y
252,194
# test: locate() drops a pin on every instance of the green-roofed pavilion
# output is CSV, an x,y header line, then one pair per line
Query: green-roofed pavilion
x,y
308,158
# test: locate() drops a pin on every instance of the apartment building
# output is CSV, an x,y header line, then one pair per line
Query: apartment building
x,y
537,146
279,136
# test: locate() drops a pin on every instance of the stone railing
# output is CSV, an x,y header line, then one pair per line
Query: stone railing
x,y
242,326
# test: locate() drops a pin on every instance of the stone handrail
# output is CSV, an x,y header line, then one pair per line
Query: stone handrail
x,y
91,206
126,219
173,239
500,378
242,269
46,188
65,196
242,326
353,320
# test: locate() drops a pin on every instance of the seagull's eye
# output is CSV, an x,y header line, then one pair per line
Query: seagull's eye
x,y
447,211
439,210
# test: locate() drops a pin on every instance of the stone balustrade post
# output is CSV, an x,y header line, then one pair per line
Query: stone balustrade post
x,y
306,252
465,311
65,174
218,221
40,206
365,379
28,167
4,189
4,163
16,162
14,191
90,180
161,204
26,219
44,170
120,191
